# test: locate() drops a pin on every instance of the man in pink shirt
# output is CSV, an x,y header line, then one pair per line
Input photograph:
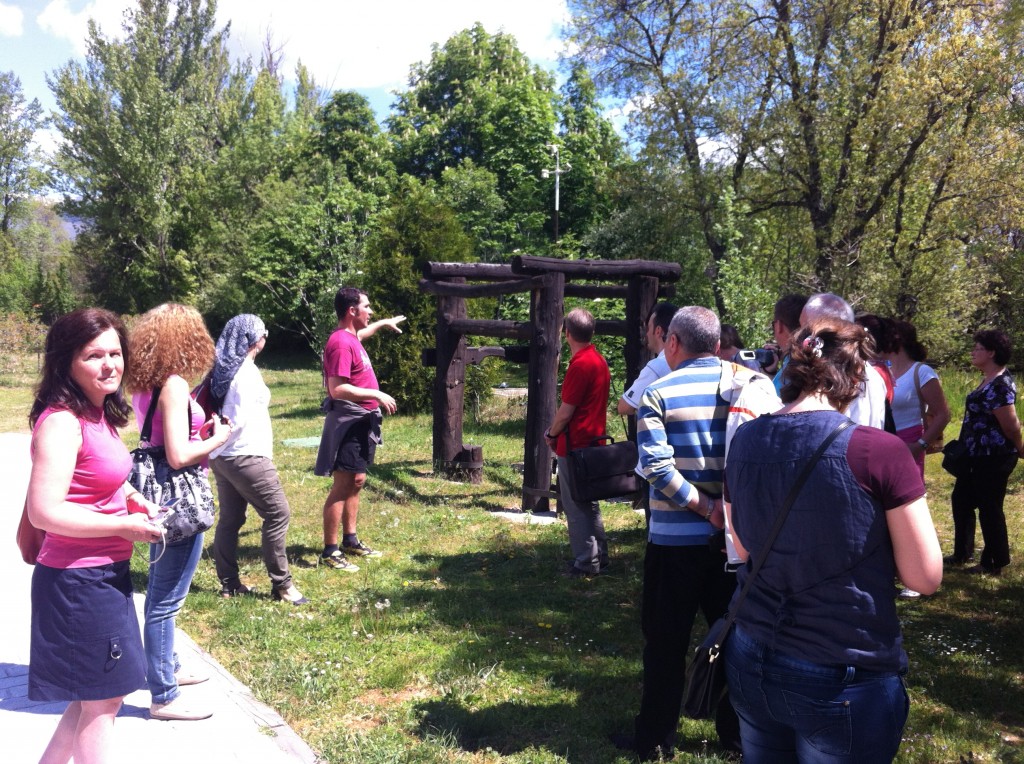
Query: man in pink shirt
x,y
352,425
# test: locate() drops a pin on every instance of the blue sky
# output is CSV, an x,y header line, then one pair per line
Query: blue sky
x,y
363,46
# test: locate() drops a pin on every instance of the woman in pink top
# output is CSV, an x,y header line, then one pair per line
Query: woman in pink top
x,y
85,635
171,345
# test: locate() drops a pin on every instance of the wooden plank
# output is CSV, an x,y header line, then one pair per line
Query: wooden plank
x,y
454,289
486,327
618,270
546,313
475,271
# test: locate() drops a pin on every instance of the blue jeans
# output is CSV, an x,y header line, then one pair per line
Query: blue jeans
x,y
791,710
169,580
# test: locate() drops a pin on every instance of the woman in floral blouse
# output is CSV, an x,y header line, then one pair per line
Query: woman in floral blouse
x,y
992,434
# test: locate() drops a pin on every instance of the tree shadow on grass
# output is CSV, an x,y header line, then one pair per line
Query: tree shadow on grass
x,y
965,647
577,639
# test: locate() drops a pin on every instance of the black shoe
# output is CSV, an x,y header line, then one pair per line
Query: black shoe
x,y
954,561
623,741
985,571
626,742
231,589
574,572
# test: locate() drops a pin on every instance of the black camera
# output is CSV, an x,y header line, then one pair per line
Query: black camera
x,y
763,356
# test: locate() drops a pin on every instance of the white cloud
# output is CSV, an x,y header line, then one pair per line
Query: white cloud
x,y
11,19
58,19
372,45
345,44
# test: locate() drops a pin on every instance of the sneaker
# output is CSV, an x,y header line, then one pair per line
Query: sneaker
x,y
177,711
184,677
291,595
359,549
337,561
954,561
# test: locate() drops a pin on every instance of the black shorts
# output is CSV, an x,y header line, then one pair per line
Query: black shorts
x,y
357,449
349,439
86,643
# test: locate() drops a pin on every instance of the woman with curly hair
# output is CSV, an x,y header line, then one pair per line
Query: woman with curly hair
x,y
85,645
815,660
992,434
169,346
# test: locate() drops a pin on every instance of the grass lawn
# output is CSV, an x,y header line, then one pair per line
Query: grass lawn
x,y
463,643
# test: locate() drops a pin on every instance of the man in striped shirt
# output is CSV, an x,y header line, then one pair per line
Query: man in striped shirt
x,y
681,428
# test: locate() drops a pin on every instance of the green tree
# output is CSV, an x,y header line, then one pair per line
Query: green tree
x,y
592,148
20,175
479,98
140,123
348,137
856,115
415,228
472,192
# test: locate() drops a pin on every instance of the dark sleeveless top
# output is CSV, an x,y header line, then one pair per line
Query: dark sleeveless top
x,y
826,593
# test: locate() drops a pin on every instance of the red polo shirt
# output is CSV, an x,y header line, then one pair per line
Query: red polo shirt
x,y
585,386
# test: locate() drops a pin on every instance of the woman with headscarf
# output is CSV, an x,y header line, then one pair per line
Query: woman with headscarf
x,y
244,465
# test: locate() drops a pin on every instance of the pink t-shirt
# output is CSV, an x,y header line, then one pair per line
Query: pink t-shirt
x,y
97,484
344,356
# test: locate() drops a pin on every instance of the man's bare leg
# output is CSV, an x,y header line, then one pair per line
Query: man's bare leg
x,y
341,510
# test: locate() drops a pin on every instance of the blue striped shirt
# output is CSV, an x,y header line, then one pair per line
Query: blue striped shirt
x,y
681,426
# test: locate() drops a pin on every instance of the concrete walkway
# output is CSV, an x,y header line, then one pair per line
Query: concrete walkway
x,y
241,730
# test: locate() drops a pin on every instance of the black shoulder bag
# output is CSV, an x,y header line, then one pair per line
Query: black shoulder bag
x,y
705,676
602,471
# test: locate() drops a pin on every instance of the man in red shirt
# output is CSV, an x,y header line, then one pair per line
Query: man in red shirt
x,y
581,418
352,426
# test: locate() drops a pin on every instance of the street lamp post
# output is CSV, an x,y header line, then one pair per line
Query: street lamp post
x,y
557,172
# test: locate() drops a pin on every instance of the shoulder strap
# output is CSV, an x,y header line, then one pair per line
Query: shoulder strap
x,y
780,519
147,425
916,387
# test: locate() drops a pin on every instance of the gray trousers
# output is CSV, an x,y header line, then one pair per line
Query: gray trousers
x,y
586,528
250,480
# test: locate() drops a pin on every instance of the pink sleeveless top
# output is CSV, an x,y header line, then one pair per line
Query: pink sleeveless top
x,y
140,404
97,484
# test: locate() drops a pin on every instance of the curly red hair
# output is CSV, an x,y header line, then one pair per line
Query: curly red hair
x,y
169,339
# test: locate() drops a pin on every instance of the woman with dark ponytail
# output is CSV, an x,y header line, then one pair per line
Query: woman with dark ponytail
x,y
815,661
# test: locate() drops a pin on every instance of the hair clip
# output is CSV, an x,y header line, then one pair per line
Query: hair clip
x,y
813,344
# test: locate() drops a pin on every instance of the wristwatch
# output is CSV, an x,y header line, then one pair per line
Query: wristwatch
x,y
711,508
922,443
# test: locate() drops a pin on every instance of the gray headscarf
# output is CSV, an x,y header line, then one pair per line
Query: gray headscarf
x,y
240,334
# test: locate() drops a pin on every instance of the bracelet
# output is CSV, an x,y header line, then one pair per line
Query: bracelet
x,y
922,443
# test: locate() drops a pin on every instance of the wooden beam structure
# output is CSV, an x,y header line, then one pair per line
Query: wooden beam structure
x,y
640,283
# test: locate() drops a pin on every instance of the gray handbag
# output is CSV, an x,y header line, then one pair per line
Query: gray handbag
x,y
160,483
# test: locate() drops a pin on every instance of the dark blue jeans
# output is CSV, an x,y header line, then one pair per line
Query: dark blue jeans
x,y
792,711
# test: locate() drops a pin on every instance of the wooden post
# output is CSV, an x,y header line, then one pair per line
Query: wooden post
x,y
449,387
542,388
641,296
